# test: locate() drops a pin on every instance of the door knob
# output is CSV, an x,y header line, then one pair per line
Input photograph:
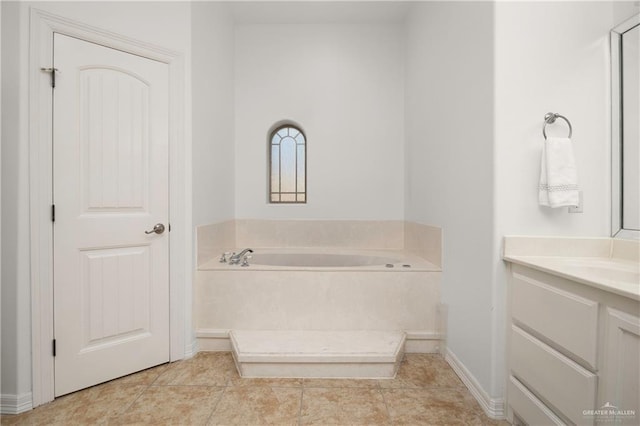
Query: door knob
x,y
158,229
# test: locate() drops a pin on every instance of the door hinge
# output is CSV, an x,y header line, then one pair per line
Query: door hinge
x,y
54,347
53,212
53,72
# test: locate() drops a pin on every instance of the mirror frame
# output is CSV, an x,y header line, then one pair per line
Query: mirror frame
x,y
616,130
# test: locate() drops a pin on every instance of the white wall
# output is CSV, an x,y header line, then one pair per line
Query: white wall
x,y
450,160
479,79
0,195
561,66
212,35
343,83
164,24
16,327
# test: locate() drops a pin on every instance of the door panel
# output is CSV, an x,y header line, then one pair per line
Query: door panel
x,y
110,184
115,109
116,287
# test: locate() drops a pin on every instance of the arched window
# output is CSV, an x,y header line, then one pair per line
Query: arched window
x,y
287,165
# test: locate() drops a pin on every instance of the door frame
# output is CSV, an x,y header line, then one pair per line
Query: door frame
x,y
42,27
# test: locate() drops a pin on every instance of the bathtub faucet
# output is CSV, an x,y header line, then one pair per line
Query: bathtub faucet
x,y
236,258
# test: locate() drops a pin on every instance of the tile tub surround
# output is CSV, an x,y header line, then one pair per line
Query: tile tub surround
x,y
206,390
609,264
212,240
424,241
317,299
357,234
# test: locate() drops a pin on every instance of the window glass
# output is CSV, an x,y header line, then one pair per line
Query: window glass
x,y
288,165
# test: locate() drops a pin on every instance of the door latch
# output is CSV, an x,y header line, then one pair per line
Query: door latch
x,y
53,72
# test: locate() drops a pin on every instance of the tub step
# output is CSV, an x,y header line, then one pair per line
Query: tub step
x,y
320,354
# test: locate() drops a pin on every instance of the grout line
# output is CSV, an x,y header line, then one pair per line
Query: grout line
x,y
167,368
376,386
180,385
133,402
215,406
386,406
128,407
301,402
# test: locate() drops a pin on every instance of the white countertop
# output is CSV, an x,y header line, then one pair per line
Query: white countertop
x,y
607,264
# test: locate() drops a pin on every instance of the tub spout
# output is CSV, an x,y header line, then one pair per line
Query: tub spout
x,y
235,259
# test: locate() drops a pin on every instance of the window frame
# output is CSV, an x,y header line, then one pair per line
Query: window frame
x,y
270,144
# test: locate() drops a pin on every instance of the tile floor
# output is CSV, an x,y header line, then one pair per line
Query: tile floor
x,y
206,390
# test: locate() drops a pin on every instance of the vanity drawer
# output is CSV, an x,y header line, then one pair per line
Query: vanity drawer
x,y
567,386
529,408
566,319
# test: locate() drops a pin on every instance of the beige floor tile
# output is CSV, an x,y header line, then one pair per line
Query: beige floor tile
x,y
257,405
184,405
204,369
88,407
144,377
433,407
490,422
341,406
340,383
28,418
423,371
281,383
207,388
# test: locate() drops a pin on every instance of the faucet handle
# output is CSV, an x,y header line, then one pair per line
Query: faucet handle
x,y
245,260
224,257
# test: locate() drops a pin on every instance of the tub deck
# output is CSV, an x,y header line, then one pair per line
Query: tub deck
x,y
402,257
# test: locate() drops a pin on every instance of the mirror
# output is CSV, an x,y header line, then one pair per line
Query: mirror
x,y
625,90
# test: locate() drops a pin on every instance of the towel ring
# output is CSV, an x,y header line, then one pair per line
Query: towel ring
x,y
550,118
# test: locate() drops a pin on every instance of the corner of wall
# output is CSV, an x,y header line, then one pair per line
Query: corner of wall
x,y
494,408
15,404
213,239
424,241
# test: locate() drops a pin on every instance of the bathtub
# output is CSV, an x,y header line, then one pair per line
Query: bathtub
x,y
326,259
319,260
319,289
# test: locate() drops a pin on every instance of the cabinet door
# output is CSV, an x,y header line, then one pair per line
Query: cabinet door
x,y
620,376
567,319
560,381
527,407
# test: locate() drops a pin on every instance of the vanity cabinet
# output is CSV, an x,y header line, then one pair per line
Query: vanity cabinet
x,y
620,375
572,349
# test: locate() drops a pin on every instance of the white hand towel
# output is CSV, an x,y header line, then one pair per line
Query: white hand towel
x,y
558,174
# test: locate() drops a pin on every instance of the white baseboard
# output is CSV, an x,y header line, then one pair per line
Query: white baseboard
x,y
422,342
15,404
191,349
217,340
213,340
494,408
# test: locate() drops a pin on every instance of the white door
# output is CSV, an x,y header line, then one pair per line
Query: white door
x,y
110,185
